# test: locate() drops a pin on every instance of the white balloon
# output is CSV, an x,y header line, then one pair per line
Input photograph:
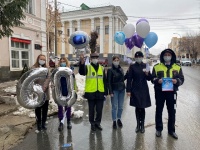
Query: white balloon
x,y
142,29
129,30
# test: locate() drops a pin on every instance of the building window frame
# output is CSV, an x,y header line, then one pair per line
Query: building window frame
x,y
68,32
107,29
19,55
30,7
98,29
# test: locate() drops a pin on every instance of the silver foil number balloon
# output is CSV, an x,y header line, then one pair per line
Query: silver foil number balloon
x,y
29,92
58,97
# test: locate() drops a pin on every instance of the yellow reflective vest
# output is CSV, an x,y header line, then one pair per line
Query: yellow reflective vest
x,y
161,68
94,80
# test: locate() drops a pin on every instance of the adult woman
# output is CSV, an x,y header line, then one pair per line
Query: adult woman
x,y
138,90
41,112
116,86
64,63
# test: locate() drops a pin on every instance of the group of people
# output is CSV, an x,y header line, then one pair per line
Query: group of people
x,y
41,112
101,82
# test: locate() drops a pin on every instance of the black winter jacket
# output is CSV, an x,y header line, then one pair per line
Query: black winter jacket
x,y
137,86
115,79
178,76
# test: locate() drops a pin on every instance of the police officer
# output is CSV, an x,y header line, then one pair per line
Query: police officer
x,y
95,88
167,68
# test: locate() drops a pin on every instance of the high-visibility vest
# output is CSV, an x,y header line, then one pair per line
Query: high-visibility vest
x,y
167,72
94,80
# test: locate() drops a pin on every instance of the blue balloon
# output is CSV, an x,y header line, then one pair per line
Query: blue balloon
x,y
119,37
79,39
151,39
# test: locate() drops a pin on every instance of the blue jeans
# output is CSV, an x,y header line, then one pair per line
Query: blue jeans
x,y
117,102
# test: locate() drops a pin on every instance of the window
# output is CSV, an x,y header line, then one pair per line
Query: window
x,y
98,49
107,29
19,55
68,32
98,29
29,7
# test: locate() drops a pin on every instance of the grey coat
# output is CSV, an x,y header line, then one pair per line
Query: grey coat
x,y
45,84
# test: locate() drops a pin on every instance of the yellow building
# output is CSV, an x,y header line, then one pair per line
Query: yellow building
x,y
175,45
105,20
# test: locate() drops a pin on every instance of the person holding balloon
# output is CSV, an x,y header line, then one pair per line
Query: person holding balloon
x,y
95,88
41,112
64,63
137,89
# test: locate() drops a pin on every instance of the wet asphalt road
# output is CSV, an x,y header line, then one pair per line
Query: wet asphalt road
x,y
81,137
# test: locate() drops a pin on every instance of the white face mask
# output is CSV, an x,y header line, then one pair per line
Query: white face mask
x,y
95,61
139,59
115,63
167,58
41,62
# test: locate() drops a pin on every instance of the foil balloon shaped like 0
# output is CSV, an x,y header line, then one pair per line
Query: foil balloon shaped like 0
x,y
58,97
29,92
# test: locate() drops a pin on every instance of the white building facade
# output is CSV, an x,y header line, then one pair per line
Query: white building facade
x,y
26,42
105,20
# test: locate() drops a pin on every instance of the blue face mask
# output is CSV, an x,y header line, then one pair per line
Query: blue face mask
x,y
63,64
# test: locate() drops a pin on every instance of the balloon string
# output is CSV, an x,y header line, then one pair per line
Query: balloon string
x,y
63,120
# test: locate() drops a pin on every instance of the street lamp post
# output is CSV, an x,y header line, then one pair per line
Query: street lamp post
x,y
55,27
179,44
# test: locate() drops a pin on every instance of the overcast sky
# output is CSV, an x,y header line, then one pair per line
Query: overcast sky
x,y
165,16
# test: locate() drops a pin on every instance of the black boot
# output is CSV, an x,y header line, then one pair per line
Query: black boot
x,y
137,129
60,127
142,117
119,123
114,125
69,126
44,125
142,129
39,126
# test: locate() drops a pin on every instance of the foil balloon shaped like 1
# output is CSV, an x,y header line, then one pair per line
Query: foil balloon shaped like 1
x,y
29,92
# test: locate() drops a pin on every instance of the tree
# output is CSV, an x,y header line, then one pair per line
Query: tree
x,y
190,44
93,41
11,13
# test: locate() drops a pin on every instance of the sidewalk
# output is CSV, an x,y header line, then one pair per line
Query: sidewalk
x,y
16,121
12,128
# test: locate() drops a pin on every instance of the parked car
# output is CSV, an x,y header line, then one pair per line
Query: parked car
x,y
74,61
178,62
103,62
186,63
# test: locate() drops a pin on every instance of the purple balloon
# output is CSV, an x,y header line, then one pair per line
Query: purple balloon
x,y
142,19
129,43
137,40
